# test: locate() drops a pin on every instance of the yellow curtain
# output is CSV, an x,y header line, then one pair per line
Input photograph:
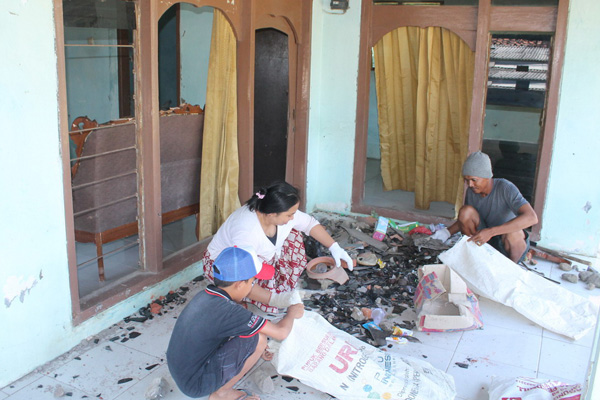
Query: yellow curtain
x,y
424,79
220,164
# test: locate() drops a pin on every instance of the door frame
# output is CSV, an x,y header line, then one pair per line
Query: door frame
x,y
293,18
474,24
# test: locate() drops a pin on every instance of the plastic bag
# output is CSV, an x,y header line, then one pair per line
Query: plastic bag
x,y
490,274
523,388
339,364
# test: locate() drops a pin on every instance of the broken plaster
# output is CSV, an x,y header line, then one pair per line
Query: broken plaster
x,y
18,287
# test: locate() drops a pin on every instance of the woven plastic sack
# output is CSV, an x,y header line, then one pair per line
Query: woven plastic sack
x,y
334,362
490,274
522,388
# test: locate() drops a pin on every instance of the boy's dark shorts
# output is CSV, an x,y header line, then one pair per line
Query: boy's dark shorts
x,y
496,242
226,363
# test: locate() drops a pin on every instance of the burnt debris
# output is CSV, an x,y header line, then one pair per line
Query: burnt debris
x,y
389,284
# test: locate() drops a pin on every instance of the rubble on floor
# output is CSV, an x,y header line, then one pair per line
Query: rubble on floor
x,y
385,277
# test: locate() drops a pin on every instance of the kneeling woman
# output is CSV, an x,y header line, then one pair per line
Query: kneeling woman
x,y
271,223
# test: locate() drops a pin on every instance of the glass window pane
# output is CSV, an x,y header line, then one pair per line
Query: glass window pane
x,y
514,105
99,53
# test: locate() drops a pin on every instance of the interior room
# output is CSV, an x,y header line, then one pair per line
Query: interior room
x,y
148,123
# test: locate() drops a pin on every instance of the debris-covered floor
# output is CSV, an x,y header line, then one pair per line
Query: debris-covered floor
x,y
123,361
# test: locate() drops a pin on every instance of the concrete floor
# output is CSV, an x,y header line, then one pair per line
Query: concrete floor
x,y
116,365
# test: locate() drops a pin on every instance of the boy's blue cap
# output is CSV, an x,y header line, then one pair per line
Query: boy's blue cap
x,y
240,264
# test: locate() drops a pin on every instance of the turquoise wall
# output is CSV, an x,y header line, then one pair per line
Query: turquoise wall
x,y
373,143
34,275
93,84
572,211
517,124
196,32
332,117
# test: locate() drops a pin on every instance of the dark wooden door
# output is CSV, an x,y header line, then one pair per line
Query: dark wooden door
x,y
271,101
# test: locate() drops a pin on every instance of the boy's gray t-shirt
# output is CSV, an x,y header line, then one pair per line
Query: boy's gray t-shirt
x,y
498,207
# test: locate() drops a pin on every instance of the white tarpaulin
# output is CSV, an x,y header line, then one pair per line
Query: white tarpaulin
x,y
337,363
490,274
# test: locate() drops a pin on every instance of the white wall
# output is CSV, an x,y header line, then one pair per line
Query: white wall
x,y
332,117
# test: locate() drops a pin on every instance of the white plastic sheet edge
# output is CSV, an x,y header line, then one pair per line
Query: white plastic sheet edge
x,y
490,274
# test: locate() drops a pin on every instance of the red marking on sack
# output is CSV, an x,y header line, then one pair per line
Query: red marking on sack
x,y
343,356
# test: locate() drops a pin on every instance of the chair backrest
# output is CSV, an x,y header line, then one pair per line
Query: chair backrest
x,y
109,178
180,160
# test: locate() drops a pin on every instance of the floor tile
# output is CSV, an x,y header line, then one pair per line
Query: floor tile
x,y
100,370
502,345
443,340
497,314
473,382
155,335
21,383
564,360
439,358
397,199
139,389
47,388
3,395
542,375
284,387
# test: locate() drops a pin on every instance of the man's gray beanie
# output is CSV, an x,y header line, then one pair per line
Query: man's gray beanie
x,y
477,164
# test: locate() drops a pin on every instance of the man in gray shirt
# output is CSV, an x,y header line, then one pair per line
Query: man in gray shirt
x,y
494,211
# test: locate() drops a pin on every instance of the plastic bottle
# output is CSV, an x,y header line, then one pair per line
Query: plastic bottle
x,y
377,314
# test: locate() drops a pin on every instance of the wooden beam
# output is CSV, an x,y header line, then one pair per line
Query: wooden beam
x,y
480,77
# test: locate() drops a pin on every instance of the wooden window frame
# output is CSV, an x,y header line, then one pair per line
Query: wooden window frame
x,y
245,18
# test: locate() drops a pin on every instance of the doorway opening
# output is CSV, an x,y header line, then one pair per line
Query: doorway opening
x,y
271,105
515,102
420,94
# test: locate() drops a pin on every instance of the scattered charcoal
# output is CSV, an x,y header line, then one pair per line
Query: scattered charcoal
x,y
199,278
149,367
133,335
462,365
293,388
313,248
114,339
287,378
124,380
134,319
78,358
390,284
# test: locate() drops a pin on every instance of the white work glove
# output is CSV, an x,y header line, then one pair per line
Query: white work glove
x,y
285,299
339,254
441,235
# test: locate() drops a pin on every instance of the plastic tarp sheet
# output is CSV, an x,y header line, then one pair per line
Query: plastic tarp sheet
x,y
490,274
337,363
